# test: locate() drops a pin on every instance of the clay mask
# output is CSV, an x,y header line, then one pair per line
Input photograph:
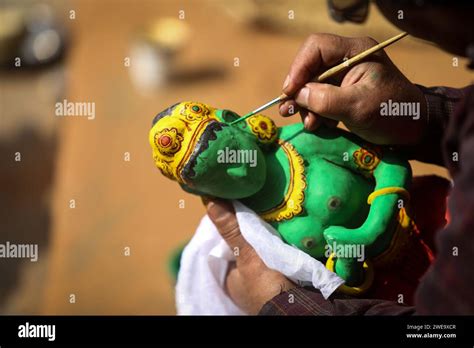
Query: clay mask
x,y
195,145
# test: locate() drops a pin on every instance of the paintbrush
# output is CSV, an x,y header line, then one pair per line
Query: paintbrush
x,y
328,73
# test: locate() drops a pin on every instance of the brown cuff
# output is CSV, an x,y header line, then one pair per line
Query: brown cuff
x,y
305,301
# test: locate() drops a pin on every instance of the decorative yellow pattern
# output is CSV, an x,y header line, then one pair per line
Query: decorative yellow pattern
x,y
263,127
386,191
367,160
168,141
193,111
292,203
174,137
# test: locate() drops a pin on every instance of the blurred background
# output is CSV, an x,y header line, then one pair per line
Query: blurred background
x,y
86,190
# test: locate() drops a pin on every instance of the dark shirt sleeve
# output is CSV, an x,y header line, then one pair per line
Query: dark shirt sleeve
x,y
447,287
440,104
306,301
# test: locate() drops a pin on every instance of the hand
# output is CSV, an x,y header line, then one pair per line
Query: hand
x,y
249,283
359,91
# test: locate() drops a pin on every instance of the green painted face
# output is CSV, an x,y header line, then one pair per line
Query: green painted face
x,y
195,145
232,167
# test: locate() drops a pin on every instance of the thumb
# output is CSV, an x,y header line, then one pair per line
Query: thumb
x,y
222,214
327,100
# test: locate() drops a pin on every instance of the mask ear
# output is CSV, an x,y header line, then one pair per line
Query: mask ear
x,y
262,128
227,116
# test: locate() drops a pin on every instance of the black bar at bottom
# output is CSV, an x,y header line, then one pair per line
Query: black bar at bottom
x,y
206,330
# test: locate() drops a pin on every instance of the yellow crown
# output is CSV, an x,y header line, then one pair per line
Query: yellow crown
x,y
178,129
175,134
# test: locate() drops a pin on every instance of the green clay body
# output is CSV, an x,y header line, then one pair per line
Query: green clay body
x,y
331,179
335,208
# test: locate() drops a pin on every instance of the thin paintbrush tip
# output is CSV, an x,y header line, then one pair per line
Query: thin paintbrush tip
x,y
272,102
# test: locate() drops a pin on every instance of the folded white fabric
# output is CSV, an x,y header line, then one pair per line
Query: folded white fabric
x,y
204,262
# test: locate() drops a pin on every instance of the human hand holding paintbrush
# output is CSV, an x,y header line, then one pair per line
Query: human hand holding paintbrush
x,y
355,95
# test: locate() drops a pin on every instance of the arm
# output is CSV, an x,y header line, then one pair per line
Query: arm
x,y
356,99
440,103
392,176
391,172
447,286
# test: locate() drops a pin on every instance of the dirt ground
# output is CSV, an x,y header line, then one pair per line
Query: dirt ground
x,y
128,204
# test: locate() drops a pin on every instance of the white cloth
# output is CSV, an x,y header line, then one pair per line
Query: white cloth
x,y
204,262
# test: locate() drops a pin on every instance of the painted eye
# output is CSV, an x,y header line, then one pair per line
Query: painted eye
x,y
229,116
368,159
196,108
334,203
308,242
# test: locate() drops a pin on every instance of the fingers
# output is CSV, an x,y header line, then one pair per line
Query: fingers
x,y
318,52
313,121
330,123
330,101
222,214
310,120
289,108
